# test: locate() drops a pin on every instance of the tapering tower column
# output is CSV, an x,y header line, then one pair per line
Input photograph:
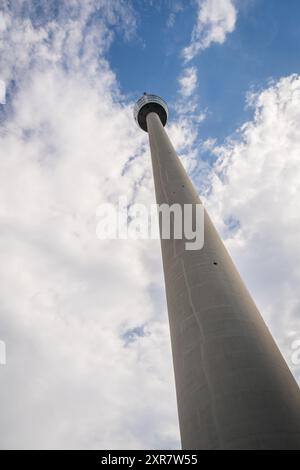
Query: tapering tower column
x,y
234,389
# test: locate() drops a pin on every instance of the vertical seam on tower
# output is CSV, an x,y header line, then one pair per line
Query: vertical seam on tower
x,y
213,409
153,135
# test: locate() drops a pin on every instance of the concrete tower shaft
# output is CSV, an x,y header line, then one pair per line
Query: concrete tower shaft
x,y
234,389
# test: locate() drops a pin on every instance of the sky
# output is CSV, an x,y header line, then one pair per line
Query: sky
x,y
84,321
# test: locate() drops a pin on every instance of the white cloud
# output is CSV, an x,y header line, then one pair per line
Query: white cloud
x,y
75,36
188,81
215,19
68,301
255,191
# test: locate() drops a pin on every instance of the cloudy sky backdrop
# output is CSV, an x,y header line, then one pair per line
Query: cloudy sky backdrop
x,y
85,321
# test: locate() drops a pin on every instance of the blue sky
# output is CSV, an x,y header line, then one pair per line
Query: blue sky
x,y
263,46
85,320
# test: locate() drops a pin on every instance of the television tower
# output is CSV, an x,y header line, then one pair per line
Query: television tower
x,y
234,389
